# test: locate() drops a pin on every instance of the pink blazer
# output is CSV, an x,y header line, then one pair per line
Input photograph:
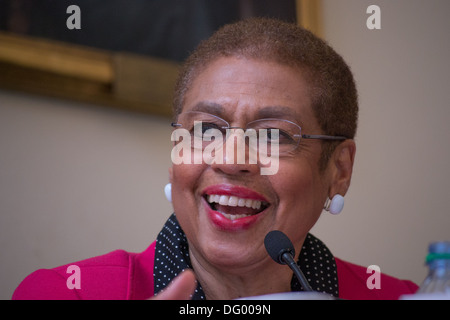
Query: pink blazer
x,y
120,275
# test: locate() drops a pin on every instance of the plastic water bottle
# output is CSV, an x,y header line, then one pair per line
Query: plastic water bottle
x,y
437,283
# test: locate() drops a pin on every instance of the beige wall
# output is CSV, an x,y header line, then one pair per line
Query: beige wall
x,y
398,200
79,180
76,181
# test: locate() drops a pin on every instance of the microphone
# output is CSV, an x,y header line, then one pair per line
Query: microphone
x,y
282,251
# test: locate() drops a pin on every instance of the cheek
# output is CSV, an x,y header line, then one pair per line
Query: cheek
x,y
300,188
295,189
184,179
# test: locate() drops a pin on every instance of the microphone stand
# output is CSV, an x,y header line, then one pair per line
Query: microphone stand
x,y
289,260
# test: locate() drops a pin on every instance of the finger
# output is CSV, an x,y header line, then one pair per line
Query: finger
x,y
181,288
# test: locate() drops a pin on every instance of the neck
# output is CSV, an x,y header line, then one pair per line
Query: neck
x,y
263,278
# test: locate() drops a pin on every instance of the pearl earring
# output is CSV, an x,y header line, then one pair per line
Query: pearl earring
x,y
335,205
168,191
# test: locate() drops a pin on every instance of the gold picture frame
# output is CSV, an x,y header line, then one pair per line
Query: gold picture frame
x,y
114,79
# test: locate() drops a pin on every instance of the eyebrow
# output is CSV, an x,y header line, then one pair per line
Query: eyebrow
x,y
209,107
278,112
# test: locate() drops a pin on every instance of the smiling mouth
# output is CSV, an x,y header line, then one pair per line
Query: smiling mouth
x,y
233,207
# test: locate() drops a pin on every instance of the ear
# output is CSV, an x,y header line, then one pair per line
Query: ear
x,y
341,167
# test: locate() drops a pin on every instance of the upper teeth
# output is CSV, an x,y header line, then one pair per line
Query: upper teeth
x,y
234,201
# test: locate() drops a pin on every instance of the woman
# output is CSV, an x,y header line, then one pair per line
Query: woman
x,y
258,74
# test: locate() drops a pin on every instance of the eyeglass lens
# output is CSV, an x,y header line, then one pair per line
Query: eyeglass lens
x,y
266,133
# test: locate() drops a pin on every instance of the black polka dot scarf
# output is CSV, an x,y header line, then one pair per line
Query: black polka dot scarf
x,y
172,257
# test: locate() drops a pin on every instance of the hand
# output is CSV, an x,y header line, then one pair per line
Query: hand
x,y
181,288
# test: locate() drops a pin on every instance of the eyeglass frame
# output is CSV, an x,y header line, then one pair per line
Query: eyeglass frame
x,y
302,136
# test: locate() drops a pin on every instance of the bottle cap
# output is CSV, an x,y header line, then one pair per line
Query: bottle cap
x,y
438,251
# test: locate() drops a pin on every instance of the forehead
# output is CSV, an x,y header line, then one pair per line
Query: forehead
x,y
238,87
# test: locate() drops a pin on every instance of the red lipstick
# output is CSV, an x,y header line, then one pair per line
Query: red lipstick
x,y
220,220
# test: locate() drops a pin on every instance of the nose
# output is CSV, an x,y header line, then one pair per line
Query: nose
x,y
236,155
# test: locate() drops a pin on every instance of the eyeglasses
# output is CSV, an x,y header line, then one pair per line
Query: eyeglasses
x,y
286,134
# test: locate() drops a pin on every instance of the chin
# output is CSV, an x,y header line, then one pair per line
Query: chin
x,y
231,259
229,249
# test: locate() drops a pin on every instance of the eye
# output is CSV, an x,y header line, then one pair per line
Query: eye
x,y
283,137
200,128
